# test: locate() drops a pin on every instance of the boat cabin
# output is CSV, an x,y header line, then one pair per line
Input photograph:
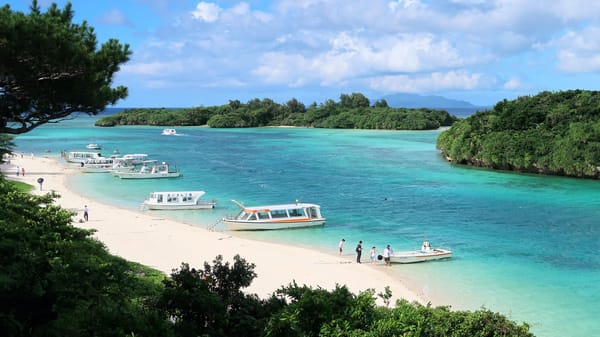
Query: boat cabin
x,y
82,156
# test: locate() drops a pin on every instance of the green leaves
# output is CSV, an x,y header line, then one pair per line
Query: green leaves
x,y
56,281
51,67
550,133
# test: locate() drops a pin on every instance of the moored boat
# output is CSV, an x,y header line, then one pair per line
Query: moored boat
x,y
154,171
128,162
426,253
134,158
94,146
97,165
81,156
283,216
177,200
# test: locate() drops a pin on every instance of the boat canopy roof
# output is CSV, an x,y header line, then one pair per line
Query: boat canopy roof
x,y
198,193
268,208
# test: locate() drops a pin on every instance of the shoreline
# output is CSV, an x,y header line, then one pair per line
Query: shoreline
x,y
164,244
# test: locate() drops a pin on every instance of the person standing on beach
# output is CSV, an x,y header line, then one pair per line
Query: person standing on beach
x,y
341,246
387,253
18,170
85,213
373,254
358,251
23,171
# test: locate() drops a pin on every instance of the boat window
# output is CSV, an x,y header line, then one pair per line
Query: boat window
x,y
263,215
296,212
279,213
312,212
159,198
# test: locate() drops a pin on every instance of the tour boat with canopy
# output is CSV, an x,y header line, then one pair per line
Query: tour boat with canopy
x,y
284,216
151,169
177,200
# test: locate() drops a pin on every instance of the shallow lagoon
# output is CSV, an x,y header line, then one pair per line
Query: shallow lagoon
x,y
524,245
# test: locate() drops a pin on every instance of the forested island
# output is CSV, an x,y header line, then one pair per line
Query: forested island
x,y
351,112
556,133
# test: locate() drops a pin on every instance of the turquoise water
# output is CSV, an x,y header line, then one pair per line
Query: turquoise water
x,y
524,245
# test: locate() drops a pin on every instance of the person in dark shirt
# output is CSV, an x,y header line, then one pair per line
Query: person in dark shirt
x,y
358,251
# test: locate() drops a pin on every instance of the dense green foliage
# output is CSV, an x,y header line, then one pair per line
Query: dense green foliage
x,y
50,68
351,112
550,133
6,146
336,313
55,280
210,302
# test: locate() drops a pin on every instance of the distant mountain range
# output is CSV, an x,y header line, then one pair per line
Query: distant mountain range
x,y
420,101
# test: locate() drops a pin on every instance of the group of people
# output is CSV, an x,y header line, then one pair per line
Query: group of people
x,y
387,252
20,171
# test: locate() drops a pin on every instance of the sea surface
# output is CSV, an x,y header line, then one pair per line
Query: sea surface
x,y
527,246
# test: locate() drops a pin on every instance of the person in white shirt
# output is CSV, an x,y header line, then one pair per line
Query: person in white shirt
x,y
341,246
387,252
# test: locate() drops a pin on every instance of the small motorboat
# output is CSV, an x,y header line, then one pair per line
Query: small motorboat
x,y
169,132
426,253
94,146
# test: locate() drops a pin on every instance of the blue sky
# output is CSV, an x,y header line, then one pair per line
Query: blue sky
x,y
192,53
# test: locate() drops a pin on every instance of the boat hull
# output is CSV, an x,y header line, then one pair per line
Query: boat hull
x,y
420,256
137,175
236,225
96,169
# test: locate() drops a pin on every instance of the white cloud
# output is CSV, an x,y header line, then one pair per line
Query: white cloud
x,y
433,82
512,84
573,10
152,68
280,68
399,5
206,11
579,51
571,62
351,57
400,45
115,17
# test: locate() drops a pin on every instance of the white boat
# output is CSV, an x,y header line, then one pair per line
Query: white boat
x,y
134,158
94,146
154,171
97,165
177,200
268,217
169,132
82,156
426,253
128,162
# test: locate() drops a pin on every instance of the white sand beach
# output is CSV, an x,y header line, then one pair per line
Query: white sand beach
x,y
164,244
